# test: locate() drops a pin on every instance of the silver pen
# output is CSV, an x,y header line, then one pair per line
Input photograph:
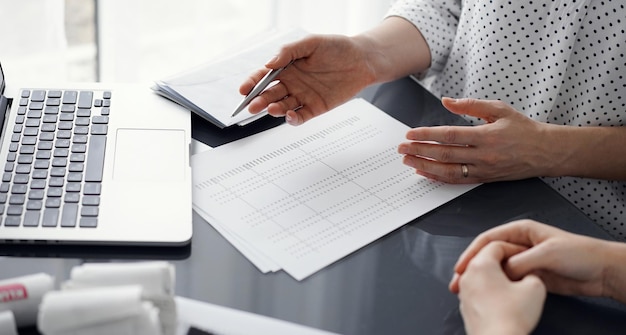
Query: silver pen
x,y
258,88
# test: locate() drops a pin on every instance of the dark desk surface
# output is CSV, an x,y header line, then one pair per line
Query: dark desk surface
x,y
395,285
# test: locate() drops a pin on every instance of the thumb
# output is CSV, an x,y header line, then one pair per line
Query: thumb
x,y
488,110
534,286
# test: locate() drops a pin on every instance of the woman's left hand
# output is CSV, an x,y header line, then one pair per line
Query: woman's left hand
x,y
508,146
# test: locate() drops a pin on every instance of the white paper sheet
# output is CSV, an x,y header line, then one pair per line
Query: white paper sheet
x,y
222,320
214,87
307,196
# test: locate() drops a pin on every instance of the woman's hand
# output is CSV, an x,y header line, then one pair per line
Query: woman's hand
x,y
509,146
330,69
327,71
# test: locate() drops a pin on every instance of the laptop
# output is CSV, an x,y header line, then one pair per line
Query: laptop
x,y
93,164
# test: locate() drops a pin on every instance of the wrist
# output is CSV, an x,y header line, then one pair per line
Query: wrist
x,y
614,274
394,49
374,59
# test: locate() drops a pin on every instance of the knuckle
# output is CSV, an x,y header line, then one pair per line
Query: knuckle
x,y
499,103
445,154
449,135
451,173
490,159
478,264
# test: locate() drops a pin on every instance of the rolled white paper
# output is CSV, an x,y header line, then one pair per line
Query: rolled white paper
x,y
22,296
7,323
157,278
98,310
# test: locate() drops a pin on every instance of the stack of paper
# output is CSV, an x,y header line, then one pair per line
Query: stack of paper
x,y
301,198
212,90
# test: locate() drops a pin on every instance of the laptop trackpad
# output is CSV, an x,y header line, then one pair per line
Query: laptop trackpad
x,y
149,155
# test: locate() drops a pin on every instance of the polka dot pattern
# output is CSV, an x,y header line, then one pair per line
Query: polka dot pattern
x,y
557,61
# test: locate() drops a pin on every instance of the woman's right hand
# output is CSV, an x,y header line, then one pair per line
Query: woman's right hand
x,y
327,71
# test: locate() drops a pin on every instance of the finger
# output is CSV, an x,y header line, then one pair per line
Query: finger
x,y
251,81
542,257
294,50
445,172
453,286
523,232
299,116
488,258
564,285
488,110
498,251
439,152
281,107
446,134
273,94
535,286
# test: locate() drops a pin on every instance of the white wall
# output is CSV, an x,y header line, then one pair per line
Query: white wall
x,y
33,39
145,40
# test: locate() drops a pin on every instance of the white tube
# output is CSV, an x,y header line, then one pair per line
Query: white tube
x,y
22,296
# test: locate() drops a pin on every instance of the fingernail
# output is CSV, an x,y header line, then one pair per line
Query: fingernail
x,y
455,276
451,100
290,120
402,150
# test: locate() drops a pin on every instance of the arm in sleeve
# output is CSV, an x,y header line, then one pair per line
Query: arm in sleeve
x,y
437,21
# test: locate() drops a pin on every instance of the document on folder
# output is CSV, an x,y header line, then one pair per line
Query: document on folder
x,y
212,90
301,198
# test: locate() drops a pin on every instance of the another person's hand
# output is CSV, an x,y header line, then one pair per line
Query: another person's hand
x,y
567,263
327,71
493,304
509,146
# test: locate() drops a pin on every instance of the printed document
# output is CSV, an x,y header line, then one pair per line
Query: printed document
x,y
212,90
301,198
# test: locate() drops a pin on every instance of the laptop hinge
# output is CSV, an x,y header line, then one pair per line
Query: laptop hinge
x,y
5,104
5,108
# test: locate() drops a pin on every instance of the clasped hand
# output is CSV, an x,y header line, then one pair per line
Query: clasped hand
x,y
502,276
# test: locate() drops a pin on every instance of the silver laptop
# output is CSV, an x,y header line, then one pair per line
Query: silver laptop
x,y
93,164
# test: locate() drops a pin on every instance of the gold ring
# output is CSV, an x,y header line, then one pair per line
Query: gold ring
x,y
464,170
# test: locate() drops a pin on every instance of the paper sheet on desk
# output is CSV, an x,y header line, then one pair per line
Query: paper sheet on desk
x,y
216,319
307,196
212,90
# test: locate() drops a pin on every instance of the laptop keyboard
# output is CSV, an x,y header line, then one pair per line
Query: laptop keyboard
x,y
53,171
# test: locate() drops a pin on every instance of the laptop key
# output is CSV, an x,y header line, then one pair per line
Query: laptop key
x,y
12,221
54,94
15,210
90,200
50,217
88,222
31,218
38,95
69,215
92,188
95,158
91,211
34,205
84,99
69,97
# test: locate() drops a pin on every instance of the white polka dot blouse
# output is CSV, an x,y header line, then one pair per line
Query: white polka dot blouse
x,y
557,61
